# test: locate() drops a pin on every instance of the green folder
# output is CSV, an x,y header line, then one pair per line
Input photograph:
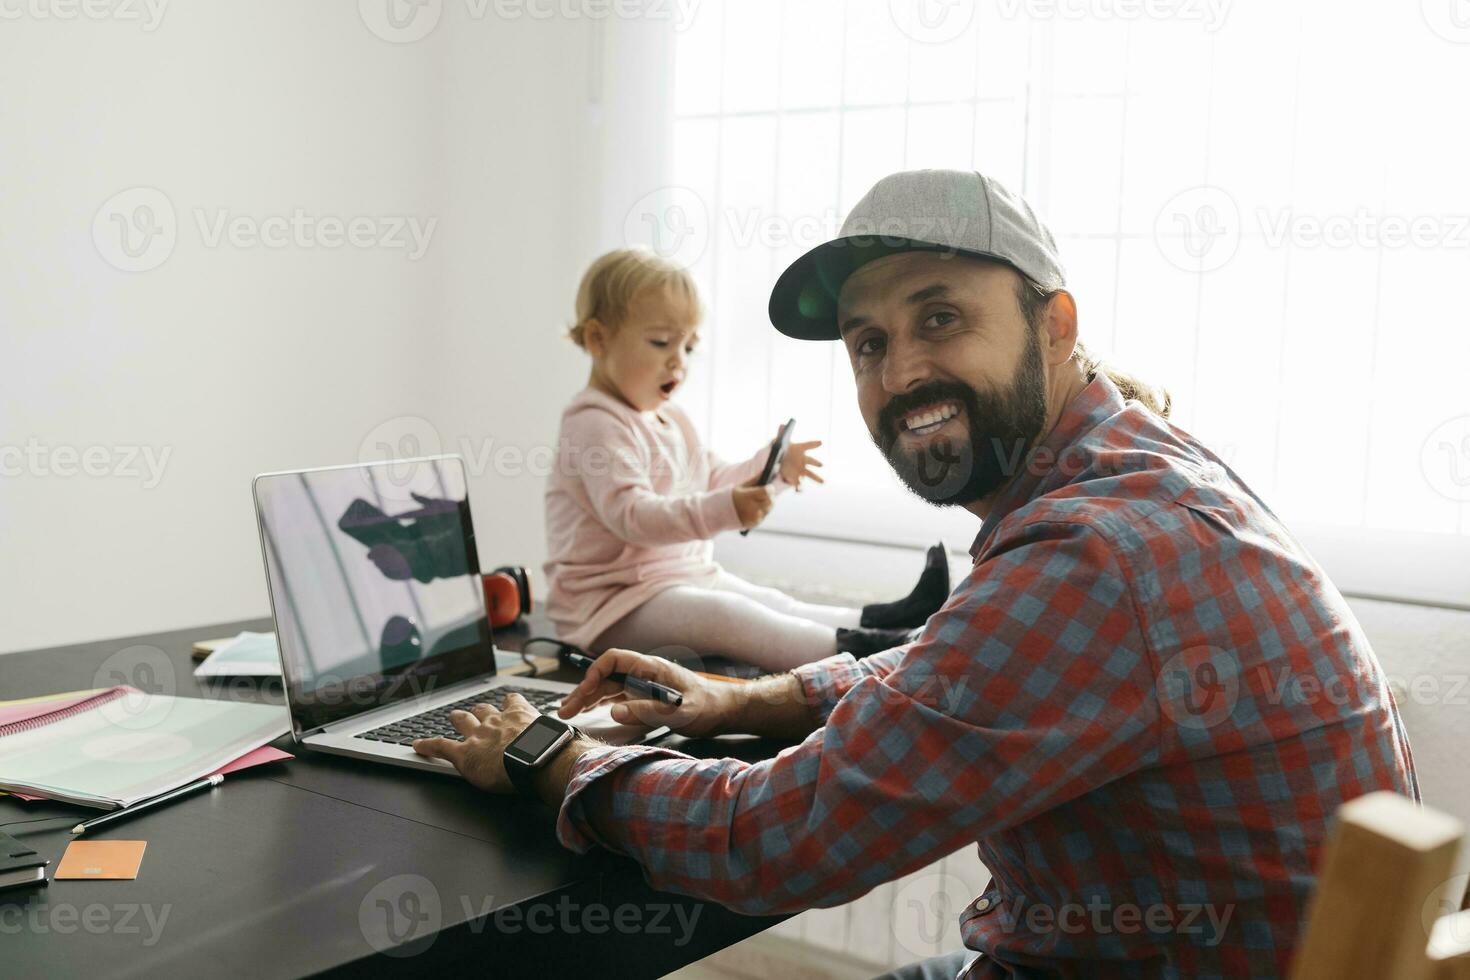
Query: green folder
x,y
124,746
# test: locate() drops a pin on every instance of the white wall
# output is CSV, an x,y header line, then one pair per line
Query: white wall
x,y
235,360
539,176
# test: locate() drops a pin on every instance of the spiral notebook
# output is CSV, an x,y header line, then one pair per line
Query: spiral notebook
x,y
115,747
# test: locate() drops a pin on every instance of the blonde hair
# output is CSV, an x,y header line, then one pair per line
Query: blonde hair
x,y
611,283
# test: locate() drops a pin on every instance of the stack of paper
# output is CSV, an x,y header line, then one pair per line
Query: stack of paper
x,y
247,655
258,655
115,747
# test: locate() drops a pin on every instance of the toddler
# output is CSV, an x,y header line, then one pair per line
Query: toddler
x,y
635,499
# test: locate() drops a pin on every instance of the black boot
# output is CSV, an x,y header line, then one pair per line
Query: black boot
x,y
916,607
865,643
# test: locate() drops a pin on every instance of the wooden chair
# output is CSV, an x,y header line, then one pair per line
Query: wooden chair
x,y
1387,879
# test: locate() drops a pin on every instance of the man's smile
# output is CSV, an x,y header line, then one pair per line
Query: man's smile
x,y
928,419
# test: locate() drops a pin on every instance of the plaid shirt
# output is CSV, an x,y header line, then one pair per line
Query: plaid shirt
x,y
1143,705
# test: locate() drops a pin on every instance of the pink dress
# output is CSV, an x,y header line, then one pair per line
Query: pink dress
x,y
630,510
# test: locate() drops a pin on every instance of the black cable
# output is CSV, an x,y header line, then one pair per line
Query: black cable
x,y
70,821
562,649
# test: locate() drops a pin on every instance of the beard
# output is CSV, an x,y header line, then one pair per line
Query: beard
x,y
953,472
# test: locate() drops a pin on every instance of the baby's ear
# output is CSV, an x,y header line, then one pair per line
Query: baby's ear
x,y
594,336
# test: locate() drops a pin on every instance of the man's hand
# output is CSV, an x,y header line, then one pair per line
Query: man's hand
x,y
707,709
480,757
799,463
752,504
770,706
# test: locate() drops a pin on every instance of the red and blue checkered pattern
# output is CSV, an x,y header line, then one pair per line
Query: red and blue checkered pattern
x,y
1143,705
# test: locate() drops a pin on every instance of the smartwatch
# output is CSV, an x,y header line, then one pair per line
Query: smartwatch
x,y
533,748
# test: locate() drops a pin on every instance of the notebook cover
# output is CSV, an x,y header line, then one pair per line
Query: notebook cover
x,y
114,751
15,856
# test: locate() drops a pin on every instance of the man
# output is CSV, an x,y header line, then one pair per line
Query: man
x,y
1144,704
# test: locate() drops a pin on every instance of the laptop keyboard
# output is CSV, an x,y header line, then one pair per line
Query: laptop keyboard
x,y
435,723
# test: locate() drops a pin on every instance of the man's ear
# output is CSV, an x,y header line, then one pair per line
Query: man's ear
x,y
1059,328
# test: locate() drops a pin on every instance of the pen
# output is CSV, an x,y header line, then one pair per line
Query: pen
x,y
639,686
208,782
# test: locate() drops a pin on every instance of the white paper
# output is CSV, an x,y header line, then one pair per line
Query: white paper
x,y
247,655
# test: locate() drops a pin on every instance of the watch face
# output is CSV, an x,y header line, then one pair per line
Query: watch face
x,y
532,743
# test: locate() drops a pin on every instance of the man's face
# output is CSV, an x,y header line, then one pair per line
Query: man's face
x,y
950,377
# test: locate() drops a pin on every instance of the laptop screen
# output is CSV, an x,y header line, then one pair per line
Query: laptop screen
x,y
375,584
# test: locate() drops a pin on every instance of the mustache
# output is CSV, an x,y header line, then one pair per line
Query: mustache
x,y
927,394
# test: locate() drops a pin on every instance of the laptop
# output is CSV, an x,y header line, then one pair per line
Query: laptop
x,y
380,615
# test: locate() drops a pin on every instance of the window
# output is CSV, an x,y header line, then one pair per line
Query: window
x,y
1260,206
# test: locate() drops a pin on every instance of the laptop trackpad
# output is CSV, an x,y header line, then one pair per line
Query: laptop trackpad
x,y
598,722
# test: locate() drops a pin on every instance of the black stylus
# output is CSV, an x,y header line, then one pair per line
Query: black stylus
x,y
123,813
639,686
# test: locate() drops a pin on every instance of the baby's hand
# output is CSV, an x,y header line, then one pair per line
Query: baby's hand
x,y
799,463
752,504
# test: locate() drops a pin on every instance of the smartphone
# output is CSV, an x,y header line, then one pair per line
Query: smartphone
x,y
773,460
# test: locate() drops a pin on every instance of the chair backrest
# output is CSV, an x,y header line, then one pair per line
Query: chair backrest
x,y
1386,884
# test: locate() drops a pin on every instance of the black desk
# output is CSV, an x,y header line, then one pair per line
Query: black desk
x,y
326,865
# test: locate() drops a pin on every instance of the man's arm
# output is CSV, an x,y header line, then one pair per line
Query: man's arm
x,y
773,707
781,706
1031,687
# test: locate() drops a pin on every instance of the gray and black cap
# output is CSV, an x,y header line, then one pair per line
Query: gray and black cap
x,y
957,212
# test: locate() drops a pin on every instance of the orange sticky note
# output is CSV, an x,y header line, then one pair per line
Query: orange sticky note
x,y
118,860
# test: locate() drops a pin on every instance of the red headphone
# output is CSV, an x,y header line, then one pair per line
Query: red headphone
x,y
507,595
